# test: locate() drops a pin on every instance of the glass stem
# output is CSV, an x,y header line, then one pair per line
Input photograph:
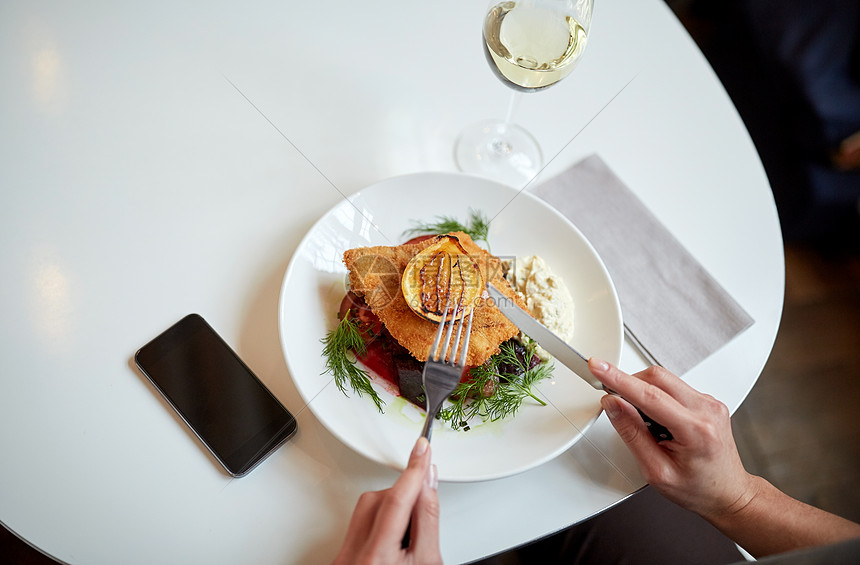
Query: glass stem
x,y
501,146
512,105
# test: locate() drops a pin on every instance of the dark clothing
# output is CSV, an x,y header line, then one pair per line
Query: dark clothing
x,y
643,529
792,68
647,529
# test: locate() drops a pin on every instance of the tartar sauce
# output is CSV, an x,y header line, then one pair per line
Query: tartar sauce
x,y
545,294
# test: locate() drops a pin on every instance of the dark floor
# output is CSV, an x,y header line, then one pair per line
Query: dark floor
x,y
800,426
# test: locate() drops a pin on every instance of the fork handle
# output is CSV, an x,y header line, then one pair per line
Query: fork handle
x,y
425,432
428,420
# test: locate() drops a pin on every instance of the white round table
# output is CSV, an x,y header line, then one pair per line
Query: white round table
x,y
165,158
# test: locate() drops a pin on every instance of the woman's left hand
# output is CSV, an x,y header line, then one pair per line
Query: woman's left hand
x,y
381,518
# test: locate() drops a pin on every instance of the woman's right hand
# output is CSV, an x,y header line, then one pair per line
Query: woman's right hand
x,y
699,468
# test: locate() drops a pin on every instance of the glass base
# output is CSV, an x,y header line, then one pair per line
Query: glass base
x,y
503,152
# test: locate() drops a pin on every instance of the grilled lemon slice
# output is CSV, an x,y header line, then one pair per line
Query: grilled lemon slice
x,y
441,270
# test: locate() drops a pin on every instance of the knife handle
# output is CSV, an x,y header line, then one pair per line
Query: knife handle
x,y
658,430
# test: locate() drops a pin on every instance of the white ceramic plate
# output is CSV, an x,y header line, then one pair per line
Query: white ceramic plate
x,y
521,225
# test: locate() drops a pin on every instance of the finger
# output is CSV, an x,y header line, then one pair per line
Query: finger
x,y
396,507
634,433
425,518
676,387
652,400
361,522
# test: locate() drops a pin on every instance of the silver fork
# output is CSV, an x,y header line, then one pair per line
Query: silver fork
x,y
442,372
441,376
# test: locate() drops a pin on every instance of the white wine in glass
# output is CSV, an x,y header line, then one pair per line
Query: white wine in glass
x,y
530,45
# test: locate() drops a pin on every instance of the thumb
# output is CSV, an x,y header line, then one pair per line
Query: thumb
x,y
425,519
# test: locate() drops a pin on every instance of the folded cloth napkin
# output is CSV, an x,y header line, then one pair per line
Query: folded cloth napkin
x,y
673,307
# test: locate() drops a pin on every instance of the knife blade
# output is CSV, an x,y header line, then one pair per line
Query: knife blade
x,y
561,350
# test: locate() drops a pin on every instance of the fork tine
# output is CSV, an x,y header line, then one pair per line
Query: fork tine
x,y
436,353
455,321
434,349
465,351
452,360
443,355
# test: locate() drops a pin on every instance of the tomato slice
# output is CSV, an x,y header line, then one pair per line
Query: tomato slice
x,y
419,238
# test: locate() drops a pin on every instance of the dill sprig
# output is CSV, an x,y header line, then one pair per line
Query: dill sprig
x,y
477,226
493,394
339,345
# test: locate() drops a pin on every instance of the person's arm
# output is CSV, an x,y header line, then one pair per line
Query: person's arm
x,y
773,522
700,468
381,518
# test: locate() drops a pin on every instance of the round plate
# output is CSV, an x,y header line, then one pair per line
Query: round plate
x,y
521,224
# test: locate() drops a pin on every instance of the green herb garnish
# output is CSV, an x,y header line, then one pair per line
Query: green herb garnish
x,y
493,392
341,344
507,391
478,226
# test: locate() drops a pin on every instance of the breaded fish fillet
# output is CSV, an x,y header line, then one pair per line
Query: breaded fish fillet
x,y
375,272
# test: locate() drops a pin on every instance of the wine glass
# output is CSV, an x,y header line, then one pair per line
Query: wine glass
x,y
530,45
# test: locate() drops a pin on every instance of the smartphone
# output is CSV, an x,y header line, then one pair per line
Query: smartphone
x,y
229,409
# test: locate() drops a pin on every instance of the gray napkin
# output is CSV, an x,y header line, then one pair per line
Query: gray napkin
x,y
670,304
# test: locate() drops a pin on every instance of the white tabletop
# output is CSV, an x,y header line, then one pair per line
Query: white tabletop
x,y
163,158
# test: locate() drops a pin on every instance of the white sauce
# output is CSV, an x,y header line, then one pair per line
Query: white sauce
x,y
545,294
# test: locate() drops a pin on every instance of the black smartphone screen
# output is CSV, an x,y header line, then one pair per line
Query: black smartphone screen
x,y
217,395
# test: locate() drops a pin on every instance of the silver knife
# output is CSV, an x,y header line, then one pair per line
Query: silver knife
x,y
557,347
561,350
